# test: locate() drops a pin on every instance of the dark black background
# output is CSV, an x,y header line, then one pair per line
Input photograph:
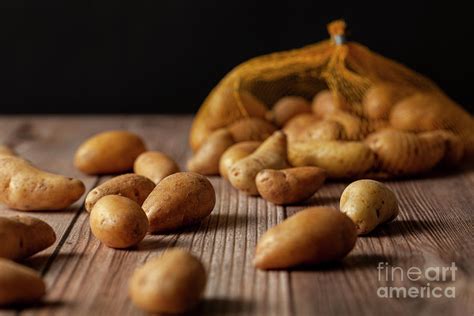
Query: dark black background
x,y
165,56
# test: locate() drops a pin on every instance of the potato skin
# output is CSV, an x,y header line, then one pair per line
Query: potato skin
x,y
23,236
287,108
172,283
206,159
354,127
234,153
340,159
291,185
155,166
327,102
380,98
6,151
179,200
27,188
19,284
118,222
130,185
109,152
368,203
298,125
321,130
404,153
252,128
312,236
270,155
454,147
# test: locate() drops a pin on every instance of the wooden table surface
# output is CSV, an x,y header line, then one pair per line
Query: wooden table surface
x,y
435,228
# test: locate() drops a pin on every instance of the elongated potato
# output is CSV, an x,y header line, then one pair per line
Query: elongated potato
x,y
403,153
312,236
19,284
234,153
118,222
23,236
6,151
454,147
380,98
368,203
291,185
288,107
179,200
155,166
109,152
26,188
132,186
206,160
252,128
298,125
270,155
221,108
172,283
340,159
327,102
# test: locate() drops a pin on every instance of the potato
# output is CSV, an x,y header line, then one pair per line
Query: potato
x,y
130,185
291,185
6,151
23,236
179,200
340,159
403,153
454,147
287,108
298,125
270,155
368,203
206,160
171,284
312,236
118,222
427,112
327,102
354,127
155,166
381,97
234,153
109,152
252,128
222,107
19,284
26,188
321,130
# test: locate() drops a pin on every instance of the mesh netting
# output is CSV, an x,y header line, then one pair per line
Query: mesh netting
x,y
378,102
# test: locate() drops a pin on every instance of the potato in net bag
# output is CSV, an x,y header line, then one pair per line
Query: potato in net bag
x,y
365,114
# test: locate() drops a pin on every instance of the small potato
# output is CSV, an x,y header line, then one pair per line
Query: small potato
x,y
287,108
132,186
222,107
368,203
340,159
171,284
118,222
155,166
327,102
312,236
404,153
380,98
109,152
179,200
321,130
19,284
6,151
298,125
206,160
252,128
291,185
354,127
26,188
270,155
23,236
234,153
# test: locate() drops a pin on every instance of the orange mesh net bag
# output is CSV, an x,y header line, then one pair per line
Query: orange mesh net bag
x,y
343,108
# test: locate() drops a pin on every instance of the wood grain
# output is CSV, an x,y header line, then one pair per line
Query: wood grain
x,y
86,278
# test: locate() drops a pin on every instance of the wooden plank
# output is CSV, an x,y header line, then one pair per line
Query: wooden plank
x,y
84,277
